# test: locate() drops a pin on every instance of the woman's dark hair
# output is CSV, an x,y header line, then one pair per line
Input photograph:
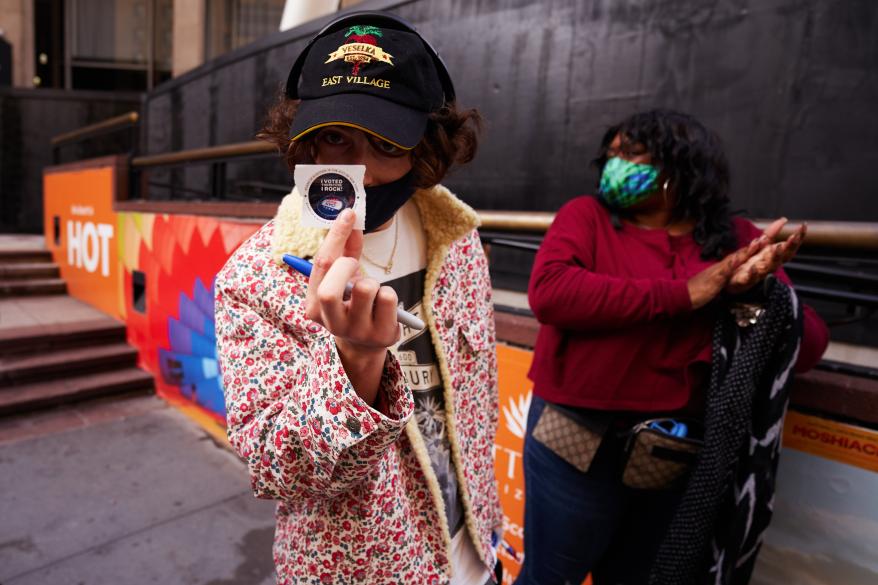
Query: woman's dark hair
x,y
692,158
451,137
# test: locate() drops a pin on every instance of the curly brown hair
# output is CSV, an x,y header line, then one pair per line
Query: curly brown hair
x,y
451,137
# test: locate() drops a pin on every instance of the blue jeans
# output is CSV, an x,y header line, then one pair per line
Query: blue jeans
x,y
578,523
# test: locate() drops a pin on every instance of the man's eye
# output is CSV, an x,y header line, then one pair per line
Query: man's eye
x,y
333,138
386,147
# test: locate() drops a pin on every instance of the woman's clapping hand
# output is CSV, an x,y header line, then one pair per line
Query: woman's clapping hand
x,y
768,260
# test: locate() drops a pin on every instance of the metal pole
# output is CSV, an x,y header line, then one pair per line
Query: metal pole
x,y
218,180
150,48
69,31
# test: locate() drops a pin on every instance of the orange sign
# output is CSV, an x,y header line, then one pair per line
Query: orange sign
x,y
80,228
849,444
515,396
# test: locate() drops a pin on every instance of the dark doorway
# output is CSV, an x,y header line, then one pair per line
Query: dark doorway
x,y
49,43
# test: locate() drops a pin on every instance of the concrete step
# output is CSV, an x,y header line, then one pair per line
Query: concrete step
x,y
24,256
40,395
30,287
46,338
20,369
28,270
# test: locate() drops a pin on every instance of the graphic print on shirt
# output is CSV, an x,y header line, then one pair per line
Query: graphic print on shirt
x,y
418,361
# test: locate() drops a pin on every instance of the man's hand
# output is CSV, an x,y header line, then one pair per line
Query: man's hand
x,y
364,323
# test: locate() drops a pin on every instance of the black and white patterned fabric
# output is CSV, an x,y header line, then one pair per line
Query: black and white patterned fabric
x,y
727,505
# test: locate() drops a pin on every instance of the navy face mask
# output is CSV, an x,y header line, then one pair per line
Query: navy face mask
x,y
382,201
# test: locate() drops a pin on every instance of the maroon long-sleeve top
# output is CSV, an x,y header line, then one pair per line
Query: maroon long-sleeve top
x,y
618,331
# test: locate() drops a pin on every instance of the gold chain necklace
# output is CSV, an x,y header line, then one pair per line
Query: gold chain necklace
x,y
387,269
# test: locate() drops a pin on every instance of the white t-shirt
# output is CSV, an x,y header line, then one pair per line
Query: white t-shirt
x,y
417,357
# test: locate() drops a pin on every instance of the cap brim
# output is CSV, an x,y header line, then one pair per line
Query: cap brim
x,y
399,125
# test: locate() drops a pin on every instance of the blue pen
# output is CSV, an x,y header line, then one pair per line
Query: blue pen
x,y
304,267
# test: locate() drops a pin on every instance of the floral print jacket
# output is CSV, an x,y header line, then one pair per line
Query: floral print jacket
x,y
358,499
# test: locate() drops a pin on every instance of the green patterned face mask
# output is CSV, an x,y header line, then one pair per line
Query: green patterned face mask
x,y
624,183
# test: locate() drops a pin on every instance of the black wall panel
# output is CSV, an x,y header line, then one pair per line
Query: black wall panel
x,y
791,86
28,121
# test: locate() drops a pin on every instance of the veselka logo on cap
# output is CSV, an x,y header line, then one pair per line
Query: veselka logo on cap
x,y
379,79
361,48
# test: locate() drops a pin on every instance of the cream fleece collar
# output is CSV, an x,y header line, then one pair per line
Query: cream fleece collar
x,y
445,218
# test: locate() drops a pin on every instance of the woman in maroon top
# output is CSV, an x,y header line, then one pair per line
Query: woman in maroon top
x,y
627,287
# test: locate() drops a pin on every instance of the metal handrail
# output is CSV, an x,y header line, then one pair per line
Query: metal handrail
x,y
108,125
854,277
838,296
857,298
831,234
226,151
517,221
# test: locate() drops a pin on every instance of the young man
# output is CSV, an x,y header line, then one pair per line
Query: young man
x,y
375,439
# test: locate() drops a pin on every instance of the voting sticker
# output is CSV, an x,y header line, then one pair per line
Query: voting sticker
x,y
327,190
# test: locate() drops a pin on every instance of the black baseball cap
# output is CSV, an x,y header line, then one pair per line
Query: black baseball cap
x,y
370,72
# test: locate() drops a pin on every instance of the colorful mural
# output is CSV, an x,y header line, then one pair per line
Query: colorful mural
x,y
169,307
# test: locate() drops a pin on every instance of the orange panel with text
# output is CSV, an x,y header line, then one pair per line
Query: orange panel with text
x,y
80,229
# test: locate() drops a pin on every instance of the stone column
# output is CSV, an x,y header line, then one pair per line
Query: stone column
x,y
189,26
17,23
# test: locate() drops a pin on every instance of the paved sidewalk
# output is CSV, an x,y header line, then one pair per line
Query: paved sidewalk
x,y
126,492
